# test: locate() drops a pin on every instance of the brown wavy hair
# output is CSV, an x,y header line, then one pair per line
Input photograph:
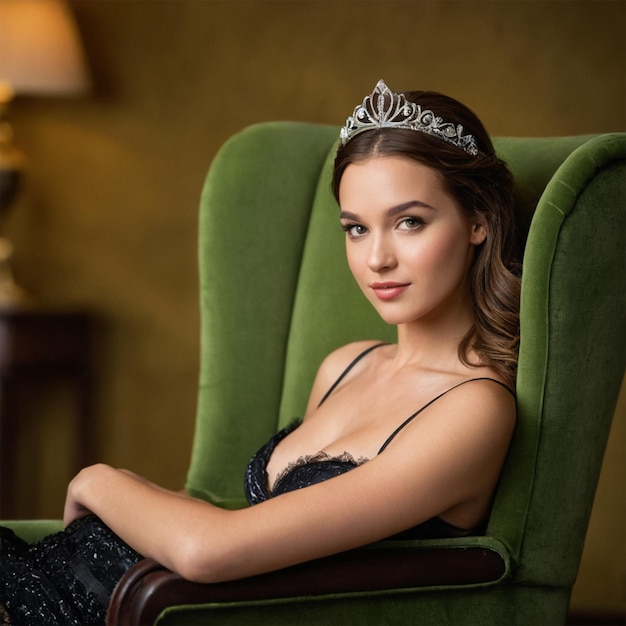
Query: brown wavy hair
x,y
483,186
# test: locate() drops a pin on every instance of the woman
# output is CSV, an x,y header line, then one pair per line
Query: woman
x,y
407,439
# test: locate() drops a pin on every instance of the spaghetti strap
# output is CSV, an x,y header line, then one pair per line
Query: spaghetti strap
x,y
412,417
350,366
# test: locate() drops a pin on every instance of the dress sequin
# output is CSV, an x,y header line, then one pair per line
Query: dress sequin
x,y
66,578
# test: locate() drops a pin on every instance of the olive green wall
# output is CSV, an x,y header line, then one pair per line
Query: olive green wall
x,y
107,217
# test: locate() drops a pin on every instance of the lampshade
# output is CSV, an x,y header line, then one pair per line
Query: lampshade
x,y
41,55
40,49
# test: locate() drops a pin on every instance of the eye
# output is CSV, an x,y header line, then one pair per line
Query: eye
x,y
354,231
410,223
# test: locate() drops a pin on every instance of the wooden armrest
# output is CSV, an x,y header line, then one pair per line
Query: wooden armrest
x,y
148,588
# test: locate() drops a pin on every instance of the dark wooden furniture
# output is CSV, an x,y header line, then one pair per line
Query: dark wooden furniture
x,y
36,347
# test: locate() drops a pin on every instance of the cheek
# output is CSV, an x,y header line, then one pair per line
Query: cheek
x,y
441,255
355,263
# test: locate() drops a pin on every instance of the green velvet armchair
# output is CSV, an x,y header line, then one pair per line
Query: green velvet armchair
x,y
277,296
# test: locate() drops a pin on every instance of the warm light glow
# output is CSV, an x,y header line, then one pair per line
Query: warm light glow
x,y
40,49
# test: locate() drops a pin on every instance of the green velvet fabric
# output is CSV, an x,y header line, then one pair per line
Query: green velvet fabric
x,y
253,224
571,363
497,606
34,530
583,359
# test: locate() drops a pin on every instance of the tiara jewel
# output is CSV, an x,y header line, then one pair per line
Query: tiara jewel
x,y
385,109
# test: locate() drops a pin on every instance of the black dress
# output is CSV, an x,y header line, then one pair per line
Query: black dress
x,y
68,577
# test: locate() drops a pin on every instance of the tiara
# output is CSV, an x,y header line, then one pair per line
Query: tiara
x,y
385,109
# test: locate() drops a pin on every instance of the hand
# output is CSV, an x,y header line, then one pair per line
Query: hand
x,y
74,502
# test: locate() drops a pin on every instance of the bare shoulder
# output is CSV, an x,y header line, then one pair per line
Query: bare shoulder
x,y
480,407
466,434
478,414
334,365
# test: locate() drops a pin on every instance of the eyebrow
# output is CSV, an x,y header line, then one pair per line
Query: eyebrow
x,y
394,210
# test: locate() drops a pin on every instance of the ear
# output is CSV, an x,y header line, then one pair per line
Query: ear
x,y
479,233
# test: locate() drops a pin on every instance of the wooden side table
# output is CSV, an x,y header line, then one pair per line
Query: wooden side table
x,y
39,346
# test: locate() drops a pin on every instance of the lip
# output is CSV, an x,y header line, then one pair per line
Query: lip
x,y
389,290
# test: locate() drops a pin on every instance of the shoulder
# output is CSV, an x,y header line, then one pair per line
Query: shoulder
x,y
466,433
480,413
334,365
487,399
477,413
481,399
482,392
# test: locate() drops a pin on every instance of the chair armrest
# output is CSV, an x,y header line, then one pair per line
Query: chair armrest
x,y
33,530
148,588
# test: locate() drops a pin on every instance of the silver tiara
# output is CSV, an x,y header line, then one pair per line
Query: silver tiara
x,y
385,109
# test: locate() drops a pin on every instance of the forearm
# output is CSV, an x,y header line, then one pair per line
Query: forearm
x,y
159,524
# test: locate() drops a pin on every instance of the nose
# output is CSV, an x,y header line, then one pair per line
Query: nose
x,y
381,255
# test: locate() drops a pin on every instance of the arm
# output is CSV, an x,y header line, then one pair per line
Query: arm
x,y
396,490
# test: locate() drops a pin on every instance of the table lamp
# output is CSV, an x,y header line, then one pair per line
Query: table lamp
x,y
41,54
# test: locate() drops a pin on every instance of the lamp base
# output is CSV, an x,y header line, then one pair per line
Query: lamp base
x,y
11,165
11,295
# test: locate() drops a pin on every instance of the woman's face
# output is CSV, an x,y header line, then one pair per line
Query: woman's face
x,y
409,244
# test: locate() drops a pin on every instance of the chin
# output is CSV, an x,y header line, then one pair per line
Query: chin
x,y
398,316
395,318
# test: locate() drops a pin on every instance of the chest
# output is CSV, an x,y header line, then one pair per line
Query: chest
x,y
355,420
